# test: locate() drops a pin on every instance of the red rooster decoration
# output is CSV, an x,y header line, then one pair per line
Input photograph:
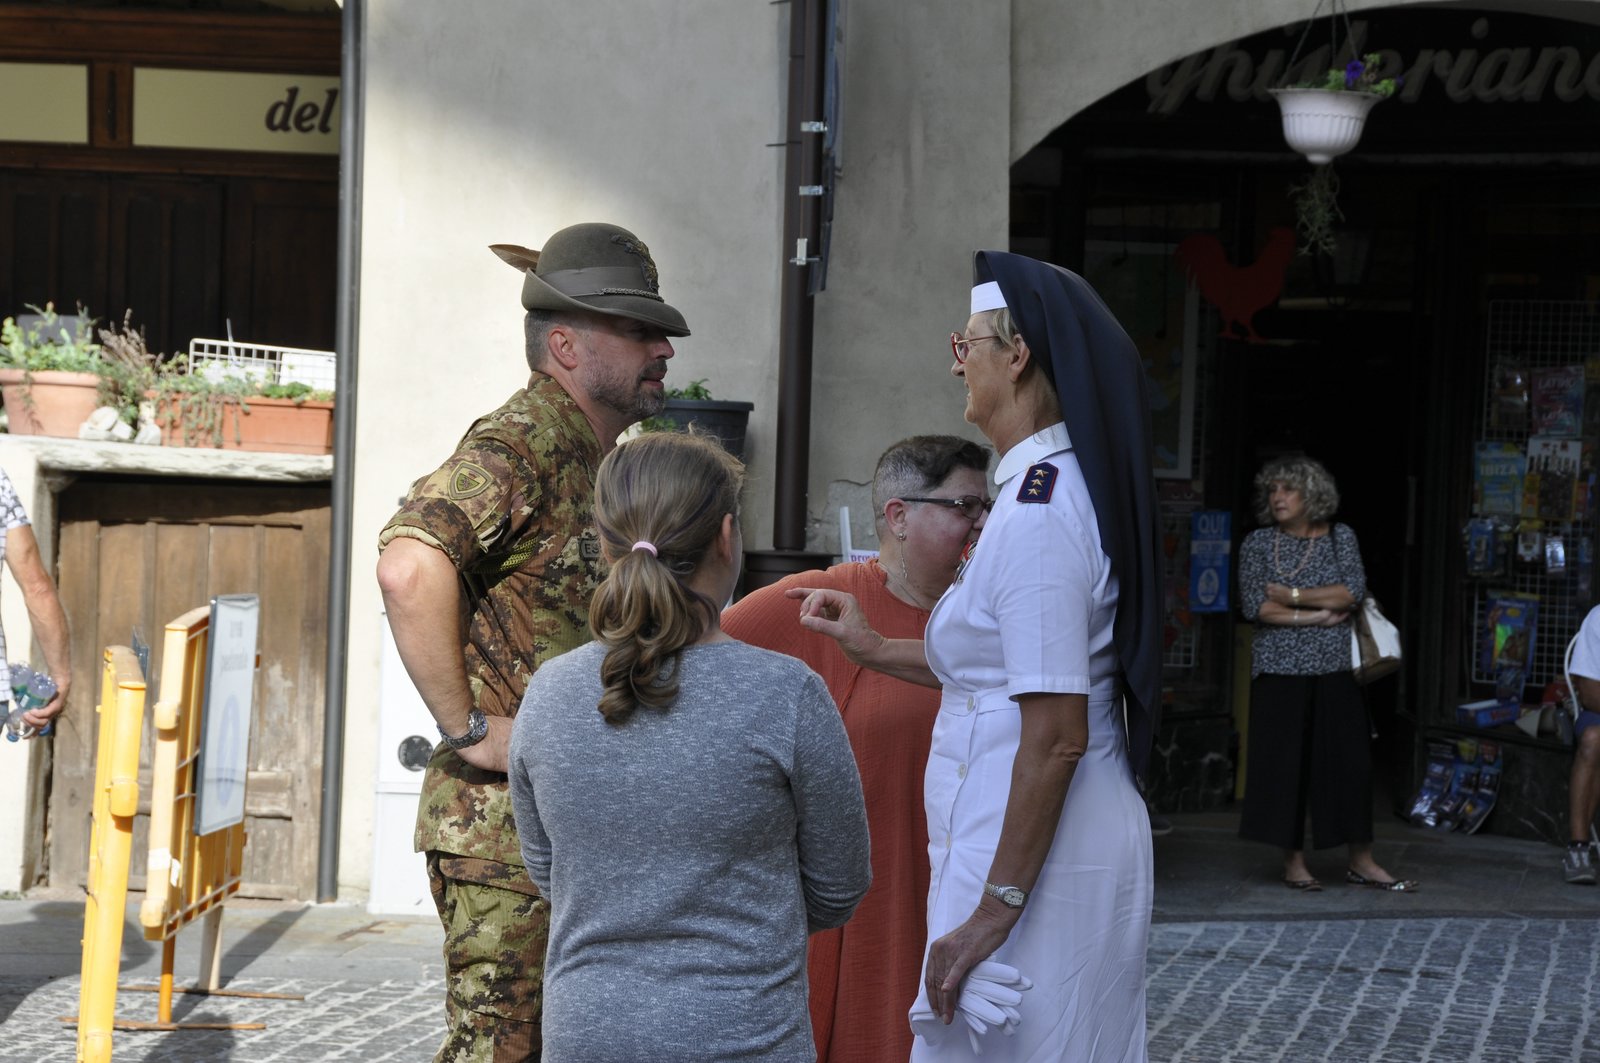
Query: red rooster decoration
x,y
1237,292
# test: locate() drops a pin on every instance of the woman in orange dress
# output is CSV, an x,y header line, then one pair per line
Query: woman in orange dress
x,y
929,494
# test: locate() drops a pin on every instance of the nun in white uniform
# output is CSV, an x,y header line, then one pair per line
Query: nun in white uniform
x,y
1048,649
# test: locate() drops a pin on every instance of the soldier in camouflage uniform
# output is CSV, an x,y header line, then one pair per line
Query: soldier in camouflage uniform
x,y
486,572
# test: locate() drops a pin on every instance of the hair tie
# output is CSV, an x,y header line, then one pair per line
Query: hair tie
x,y
643,544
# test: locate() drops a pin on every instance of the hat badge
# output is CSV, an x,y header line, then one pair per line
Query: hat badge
x,y
637,248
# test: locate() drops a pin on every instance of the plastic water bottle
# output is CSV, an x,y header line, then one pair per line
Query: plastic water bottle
x,y
29,690
21,674
15,728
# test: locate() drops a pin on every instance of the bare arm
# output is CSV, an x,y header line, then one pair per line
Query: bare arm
x,y
1272,612
1055,732
48,618
1335,596
838,615
422,594
1588,692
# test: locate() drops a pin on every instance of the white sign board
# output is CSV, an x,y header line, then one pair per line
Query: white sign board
x,y
225,719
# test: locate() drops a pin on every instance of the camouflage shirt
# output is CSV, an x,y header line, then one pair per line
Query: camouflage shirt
x,y
513,510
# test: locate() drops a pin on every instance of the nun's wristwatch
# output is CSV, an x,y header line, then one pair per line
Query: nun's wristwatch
x,y
477,727
1010,896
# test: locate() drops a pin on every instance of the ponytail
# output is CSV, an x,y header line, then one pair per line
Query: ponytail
x,y
659,504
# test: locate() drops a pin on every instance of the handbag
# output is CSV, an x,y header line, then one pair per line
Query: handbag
x,y
1374,643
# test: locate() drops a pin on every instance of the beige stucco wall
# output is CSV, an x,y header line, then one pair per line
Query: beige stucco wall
x,y
506,120
503,121
1070,53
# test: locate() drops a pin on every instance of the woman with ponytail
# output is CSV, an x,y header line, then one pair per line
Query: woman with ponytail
x,y
688,805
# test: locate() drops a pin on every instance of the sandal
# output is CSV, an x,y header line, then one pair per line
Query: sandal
x,y
1399,885
1309,885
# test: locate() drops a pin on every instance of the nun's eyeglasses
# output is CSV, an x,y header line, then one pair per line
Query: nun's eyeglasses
x,y
969,506
959,345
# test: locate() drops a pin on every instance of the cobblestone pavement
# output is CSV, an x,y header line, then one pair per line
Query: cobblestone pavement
x,y
348,1022
1499,990
1458,990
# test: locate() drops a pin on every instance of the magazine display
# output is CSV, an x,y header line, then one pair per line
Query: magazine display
x,y
1459,786
1507,641
1558,401
1497,479
1550,481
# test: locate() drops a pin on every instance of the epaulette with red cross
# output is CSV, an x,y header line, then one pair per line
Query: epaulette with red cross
x,y
1037,483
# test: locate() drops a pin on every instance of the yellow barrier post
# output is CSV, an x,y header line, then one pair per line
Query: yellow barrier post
x,y
116,799
189,875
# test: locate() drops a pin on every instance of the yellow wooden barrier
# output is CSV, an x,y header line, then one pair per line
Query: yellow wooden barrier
x,y
116,798
189,875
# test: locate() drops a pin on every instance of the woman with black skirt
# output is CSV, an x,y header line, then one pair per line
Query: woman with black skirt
x,y
1300,579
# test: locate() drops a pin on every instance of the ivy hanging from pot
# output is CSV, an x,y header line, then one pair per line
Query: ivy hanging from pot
x,y
1323,116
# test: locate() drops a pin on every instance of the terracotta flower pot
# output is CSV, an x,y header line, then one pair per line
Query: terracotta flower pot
x,y
1323,123
280,425
52,403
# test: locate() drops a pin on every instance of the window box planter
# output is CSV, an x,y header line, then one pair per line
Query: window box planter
x,y
283,426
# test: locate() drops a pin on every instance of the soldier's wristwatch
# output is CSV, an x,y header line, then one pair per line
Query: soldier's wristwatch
x,y
1010,896
477,727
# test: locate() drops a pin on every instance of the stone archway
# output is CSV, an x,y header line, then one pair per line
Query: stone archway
x,y
1065,56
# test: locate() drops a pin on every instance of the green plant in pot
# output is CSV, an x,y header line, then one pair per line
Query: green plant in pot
x,y
49,366
50,343
693,403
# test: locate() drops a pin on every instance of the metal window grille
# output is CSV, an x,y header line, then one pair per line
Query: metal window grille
x,y
262,364
1536,334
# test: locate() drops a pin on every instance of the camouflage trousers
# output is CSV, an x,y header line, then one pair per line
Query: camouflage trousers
x,y
496,927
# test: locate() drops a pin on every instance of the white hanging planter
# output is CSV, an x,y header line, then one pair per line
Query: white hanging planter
x,y
1323,123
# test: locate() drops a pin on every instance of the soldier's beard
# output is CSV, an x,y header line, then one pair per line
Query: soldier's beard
x,y
629,396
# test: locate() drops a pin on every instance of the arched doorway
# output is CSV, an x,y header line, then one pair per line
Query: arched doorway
x,y
1468,195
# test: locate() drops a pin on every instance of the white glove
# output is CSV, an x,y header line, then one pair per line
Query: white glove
x,y
991,997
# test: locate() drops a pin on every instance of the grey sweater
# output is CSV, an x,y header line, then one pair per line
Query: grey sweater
x,y
685,854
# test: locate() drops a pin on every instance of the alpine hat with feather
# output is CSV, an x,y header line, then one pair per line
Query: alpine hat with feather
x,y
597,268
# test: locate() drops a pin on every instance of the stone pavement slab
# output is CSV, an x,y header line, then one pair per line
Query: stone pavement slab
x,y
1493,960
1501,990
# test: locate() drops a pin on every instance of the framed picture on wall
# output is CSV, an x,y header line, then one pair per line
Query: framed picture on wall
x,y
1147,291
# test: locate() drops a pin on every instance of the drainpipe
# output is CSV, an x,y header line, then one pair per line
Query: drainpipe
x,y
344,448
802,230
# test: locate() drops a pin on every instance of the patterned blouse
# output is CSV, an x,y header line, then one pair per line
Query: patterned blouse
x,y
12,515
1272,556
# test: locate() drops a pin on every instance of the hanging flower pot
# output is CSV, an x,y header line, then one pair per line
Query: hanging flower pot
x,y
1321,123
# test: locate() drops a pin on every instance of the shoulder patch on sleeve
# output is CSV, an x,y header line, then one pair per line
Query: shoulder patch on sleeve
x,y
1038,483
467,479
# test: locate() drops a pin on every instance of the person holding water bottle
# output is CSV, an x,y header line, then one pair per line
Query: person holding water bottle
x,y
30,707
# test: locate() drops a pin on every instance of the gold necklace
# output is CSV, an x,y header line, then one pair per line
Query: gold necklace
x,y
1283,576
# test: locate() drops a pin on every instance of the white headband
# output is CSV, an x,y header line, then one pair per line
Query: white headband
x,y
987,296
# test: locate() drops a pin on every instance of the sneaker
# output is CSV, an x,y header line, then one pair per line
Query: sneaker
x,y
1577,867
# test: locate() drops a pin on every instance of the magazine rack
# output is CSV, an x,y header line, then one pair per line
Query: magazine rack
x,y
1544,339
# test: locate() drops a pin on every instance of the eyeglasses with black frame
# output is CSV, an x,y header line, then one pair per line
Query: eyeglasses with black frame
x,y
969,506
960,345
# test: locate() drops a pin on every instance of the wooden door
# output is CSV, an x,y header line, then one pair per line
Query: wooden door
x,y
135,554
